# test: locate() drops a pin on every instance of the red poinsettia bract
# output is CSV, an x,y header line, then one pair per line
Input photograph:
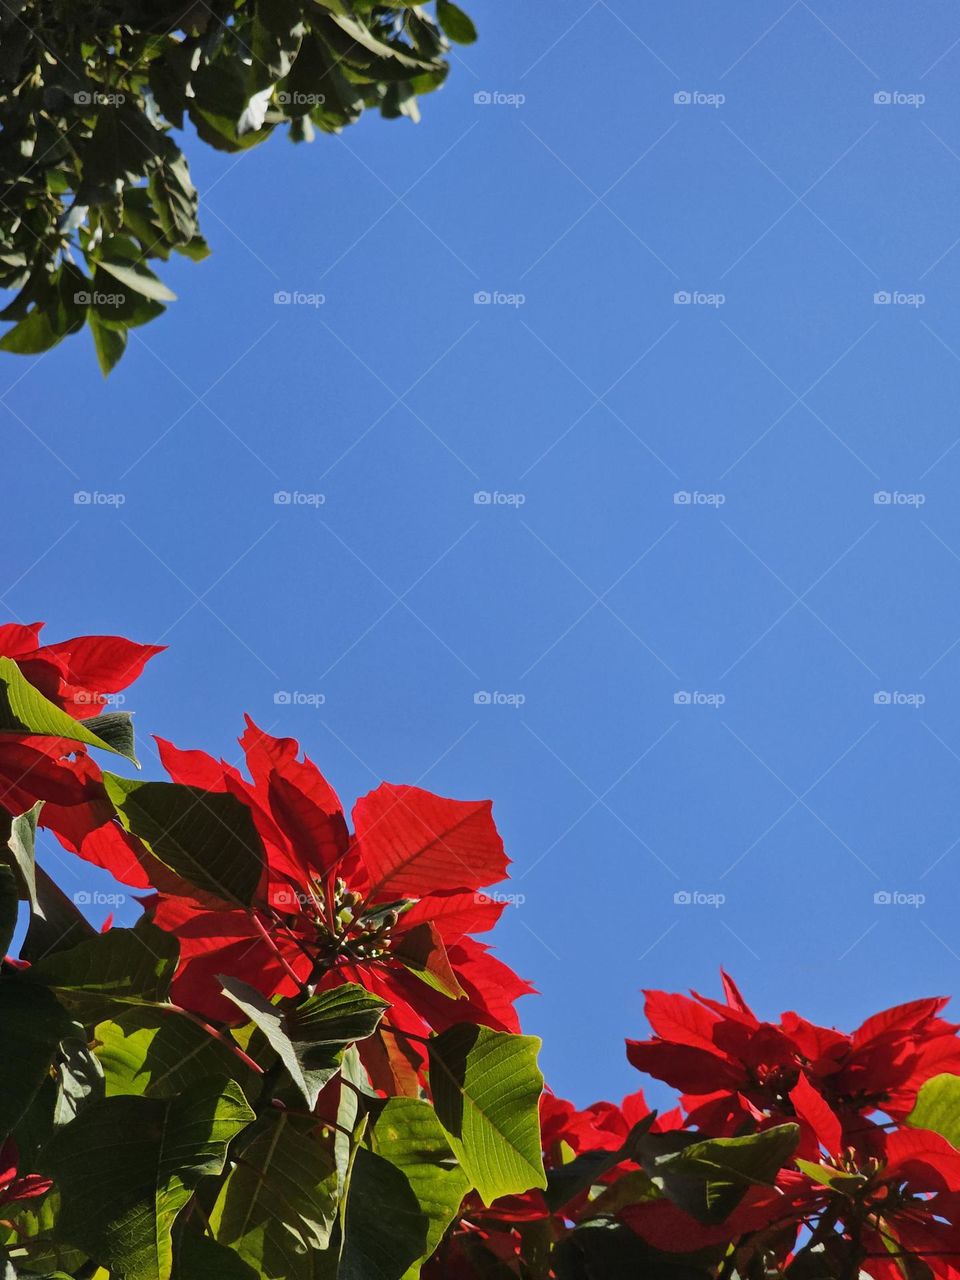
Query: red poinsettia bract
x,y
391,906
77,676
734,1069
14,1186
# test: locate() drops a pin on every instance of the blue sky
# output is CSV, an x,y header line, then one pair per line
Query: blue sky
x,y
778,604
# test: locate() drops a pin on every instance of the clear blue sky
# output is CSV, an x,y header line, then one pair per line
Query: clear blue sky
x,y
599,598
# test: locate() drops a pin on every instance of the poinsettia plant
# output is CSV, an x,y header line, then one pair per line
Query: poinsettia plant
x,y
300,1062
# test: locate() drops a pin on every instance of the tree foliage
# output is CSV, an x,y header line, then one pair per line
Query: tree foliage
x,y
94,188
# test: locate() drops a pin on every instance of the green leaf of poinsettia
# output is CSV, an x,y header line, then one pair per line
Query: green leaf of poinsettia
x,y
310,1038
33,1023
197,1257
278,1205
938,1107
22,855
206,837
401,1231
121,966
9,907
486,1091
57,925
708,1178
157,1053
23,709
127,1166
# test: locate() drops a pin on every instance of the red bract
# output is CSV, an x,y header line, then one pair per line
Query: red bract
x,y
391,906
15,1188
735,1069
77,675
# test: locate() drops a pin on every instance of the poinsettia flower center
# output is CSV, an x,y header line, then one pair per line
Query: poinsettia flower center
x,y
355,934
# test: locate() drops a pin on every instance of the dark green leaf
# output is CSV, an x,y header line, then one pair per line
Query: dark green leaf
x,y
207,837
457,25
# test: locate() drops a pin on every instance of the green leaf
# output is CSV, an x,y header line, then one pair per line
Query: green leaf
x,y
158,1054
109,344
139,278
708,1178
116,729
24,709
486,1091
121,966
127,1166
611,1251
278,1204
392,1225
456,24
586,1169
197,1257
309,1038
207,837
34,334
33,1025
57,925
21,843
9,907
938,1107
